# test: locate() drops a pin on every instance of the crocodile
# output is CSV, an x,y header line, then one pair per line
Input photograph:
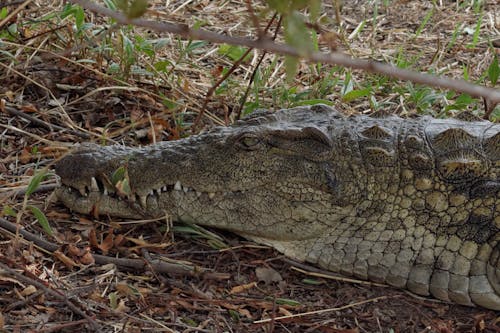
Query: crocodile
x,y
412,203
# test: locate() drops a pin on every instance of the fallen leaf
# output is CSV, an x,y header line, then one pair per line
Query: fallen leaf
x,y
74,250
267,275
65,259
25,156
242,288
87,258
107,243
121,307
31,289
29,108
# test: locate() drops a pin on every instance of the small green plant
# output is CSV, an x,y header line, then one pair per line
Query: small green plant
x,y
35,211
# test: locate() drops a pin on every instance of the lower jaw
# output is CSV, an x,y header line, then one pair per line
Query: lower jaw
x,y
96,203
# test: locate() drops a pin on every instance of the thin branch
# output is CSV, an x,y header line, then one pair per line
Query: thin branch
x,y
159,266
490,94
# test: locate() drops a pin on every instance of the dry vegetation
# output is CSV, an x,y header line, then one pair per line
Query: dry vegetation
x,y
68,78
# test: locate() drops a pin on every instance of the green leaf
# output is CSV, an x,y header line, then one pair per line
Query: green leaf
x,y
8,211
291,67
3,13
315,9
234,315
123,187
118,175
113,300
35,182
357,93
137,8
194,45
42,219
424,22
79,17
284,301
12,29
110,4
312,102
312,282
280,6
162,65
477,30
233,52
297,34
170,104
494,71
495,115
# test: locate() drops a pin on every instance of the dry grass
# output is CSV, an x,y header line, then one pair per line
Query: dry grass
x,y
106,85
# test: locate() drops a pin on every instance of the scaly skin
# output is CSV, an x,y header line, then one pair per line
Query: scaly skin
x,y
413,203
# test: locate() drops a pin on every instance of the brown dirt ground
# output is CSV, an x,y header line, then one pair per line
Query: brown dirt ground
x,y
43,79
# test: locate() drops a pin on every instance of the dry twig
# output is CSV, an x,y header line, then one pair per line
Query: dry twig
x,y
56,294
135,264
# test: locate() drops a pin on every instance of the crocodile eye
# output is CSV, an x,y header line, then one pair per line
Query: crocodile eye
x,y
249,142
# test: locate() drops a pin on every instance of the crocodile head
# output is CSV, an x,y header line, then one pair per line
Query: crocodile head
x,y
267,169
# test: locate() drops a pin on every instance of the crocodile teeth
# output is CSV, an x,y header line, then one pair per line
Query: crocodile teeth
x,y
152,192
142,201
177,186
163,189
93,185
82,191
211,195
198,194
185,189
105,191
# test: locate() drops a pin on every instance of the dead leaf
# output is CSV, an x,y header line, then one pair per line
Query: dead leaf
x,y
108,242
284,312
93,238
121,307
25,156
217,71
65,259
74,250
242,288
186,87
29,108
267,275
87,258
136,114
128,290
119,240
31,289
